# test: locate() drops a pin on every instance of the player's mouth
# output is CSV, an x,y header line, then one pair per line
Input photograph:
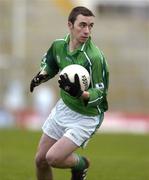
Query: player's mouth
x,y
84,38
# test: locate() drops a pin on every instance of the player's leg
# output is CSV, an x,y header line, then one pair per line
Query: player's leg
x,y
43,170
52,133
61,155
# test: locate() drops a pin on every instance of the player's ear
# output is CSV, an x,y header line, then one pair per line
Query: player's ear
x,y
70,25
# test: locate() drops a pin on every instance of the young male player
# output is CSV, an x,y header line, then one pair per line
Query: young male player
x,y
77,114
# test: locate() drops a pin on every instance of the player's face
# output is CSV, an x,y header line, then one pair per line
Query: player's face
x,y
81,29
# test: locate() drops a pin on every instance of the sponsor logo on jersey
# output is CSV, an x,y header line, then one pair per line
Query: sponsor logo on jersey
x,y
68,59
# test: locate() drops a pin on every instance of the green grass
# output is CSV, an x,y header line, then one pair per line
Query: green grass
x,y
113,156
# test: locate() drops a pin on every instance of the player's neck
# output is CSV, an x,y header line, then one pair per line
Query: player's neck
x,y
73,44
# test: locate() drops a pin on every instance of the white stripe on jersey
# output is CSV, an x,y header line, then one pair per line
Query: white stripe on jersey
x,y
99,98
89,67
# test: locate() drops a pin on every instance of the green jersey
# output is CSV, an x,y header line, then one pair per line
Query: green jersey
x,y
89,56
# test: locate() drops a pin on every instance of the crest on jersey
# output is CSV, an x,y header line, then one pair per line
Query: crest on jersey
x,y
58,59
99,85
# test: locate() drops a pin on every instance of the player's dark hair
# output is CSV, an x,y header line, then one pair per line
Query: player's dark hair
x,y
79,10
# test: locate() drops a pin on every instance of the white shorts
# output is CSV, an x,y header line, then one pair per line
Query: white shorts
x,y
65,122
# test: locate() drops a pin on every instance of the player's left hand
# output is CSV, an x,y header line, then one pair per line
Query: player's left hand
x,y
74,89
37,80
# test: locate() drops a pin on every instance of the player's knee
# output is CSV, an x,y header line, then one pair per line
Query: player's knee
x,y
53,160
40,161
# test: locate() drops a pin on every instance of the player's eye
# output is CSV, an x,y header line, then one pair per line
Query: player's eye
x,y
83,25
91,25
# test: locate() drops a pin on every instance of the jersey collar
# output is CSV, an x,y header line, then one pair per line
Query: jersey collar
x,y
82,47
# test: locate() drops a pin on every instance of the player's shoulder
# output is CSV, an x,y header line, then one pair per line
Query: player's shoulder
x,y
60,41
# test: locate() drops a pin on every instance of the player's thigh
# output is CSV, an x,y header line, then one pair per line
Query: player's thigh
x,y
61,149
44,145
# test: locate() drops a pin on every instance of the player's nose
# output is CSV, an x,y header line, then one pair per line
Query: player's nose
x,y
86,30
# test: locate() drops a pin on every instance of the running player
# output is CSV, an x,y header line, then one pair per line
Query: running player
x,y
77,114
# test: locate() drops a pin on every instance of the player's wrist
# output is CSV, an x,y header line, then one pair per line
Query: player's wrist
x,y
85,95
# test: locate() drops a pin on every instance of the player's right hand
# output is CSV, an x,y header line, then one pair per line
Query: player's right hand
x,y
73,88
37,80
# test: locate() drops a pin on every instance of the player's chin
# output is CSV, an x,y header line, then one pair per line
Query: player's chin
x,y
83,40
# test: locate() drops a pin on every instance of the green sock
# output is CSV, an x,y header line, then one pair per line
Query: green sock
x,y
80,164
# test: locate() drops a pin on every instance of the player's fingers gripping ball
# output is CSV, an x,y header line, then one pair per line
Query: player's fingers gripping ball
x,y
74,79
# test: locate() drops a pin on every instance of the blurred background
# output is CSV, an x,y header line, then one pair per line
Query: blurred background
x,y
121,31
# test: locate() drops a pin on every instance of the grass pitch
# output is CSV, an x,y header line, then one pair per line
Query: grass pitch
x,y
113,156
